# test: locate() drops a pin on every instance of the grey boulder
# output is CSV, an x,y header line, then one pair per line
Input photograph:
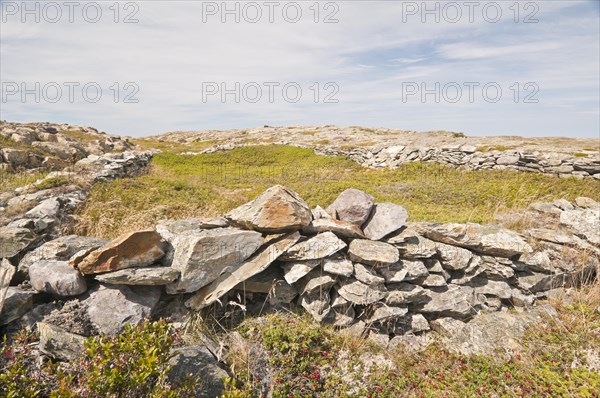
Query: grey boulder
x,y
56,277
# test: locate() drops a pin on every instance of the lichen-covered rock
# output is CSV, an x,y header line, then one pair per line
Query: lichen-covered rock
x,y
372,252
385,218
110,308
57,278
278,209
14,240
352,206
319,246
203,256
487,239
457,302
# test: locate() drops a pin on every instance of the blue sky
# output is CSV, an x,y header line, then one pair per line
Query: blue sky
x,y
377,62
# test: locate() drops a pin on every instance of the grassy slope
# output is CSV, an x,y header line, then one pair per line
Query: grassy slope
x,y
179,186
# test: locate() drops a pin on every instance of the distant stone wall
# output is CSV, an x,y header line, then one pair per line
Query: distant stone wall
x,y
556,164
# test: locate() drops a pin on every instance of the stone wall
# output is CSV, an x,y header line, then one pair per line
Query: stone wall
x,y
358,264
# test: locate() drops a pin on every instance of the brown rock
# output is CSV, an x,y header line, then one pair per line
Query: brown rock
x,y
135,249
275,210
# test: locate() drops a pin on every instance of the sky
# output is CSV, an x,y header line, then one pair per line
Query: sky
x,y
138,68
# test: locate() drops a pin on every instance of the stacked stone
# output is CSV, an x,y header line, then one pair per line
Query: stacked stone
x,y
358,264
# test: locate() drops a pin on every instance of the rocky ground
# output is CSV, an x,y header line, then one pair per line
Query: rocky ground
x,y
354,264
377,148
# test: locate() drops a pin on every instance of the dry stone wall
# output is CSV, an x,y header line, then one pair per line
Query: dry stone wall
x,y
358,265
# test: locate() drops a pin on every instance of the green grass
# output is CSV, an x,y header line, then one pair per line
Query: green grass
x,y
79,136
311,360
581,155
179,186
10,181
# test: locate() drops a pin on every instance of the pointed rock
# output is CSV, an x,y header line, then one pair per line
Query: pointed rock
x,y
385,218
317,281
317,247
278,209
134,249
323,222
317,305
203,256
352,206
228,280
452,257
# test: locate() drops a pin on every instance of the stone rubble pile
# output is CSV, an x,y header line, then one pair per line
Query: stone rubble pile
x,y
358,264
50,147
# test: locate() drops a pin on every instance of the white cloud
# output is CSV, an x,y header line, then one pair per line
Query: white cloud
x,y
171,52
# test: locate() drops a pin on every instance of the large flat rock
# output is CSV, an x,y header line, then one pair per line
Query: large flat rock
x,y
372,252
492,240
110,308
134,249
384,219
203,256
57,278
230,279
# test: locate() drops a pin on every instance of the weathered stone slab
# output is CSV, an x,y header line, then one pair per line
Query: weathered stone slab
x,y
197,362
56,277
202,257
456,302
584,223
338,265
278,209
135,249
147,276
373,253
452,257
110,308
16,303
404,293
296,270
228,280
367,275
14,240
319,246
361,294
385,218
487,239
